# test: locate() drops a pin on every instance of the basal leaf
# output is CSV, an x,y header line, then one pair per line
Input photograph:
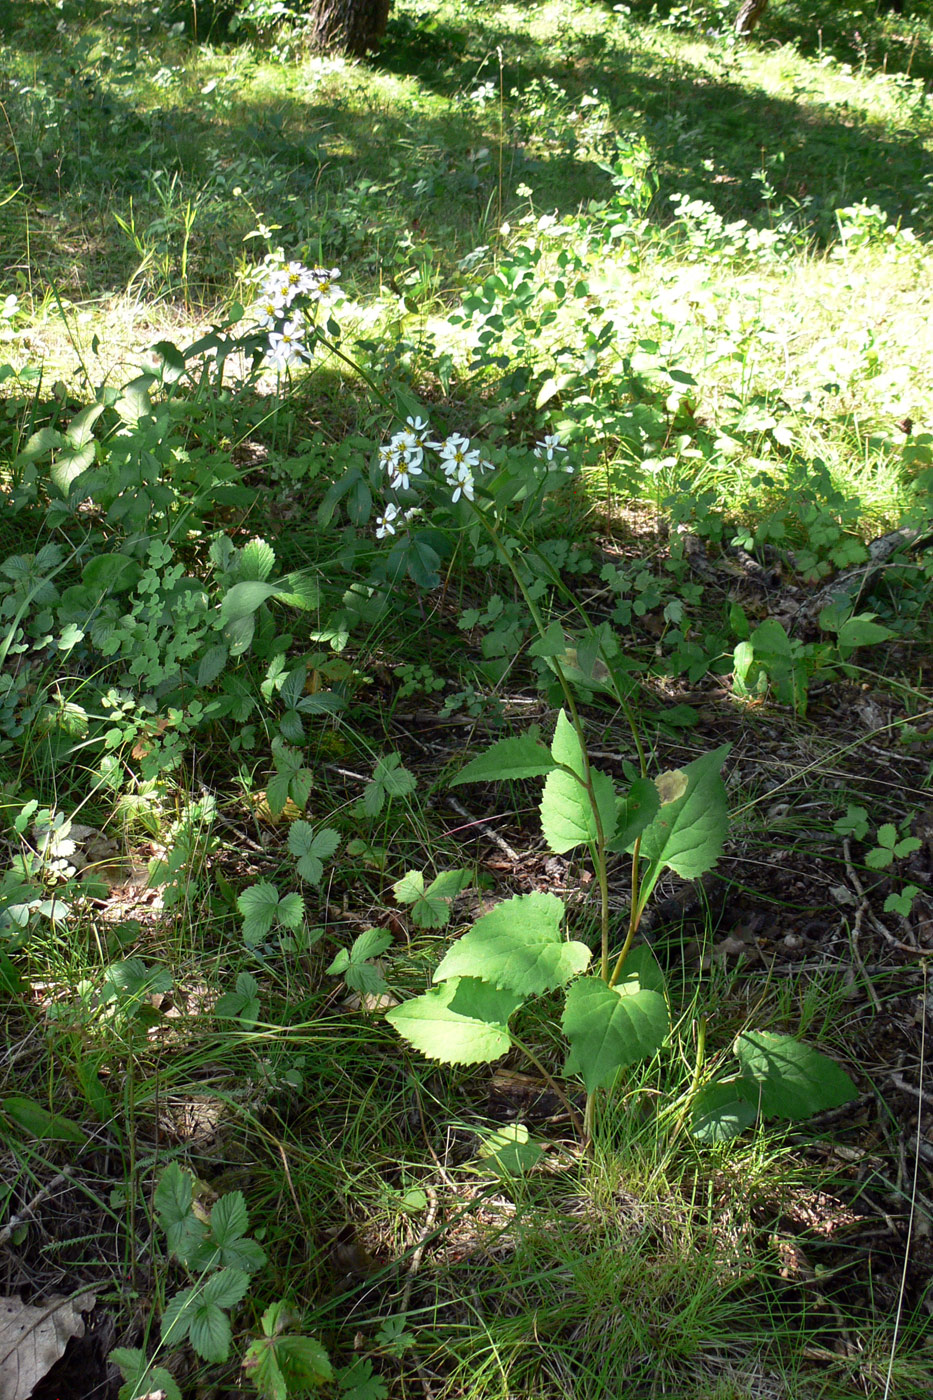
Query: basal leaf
x,y
795,1081
608,1029
518,945
510,1151
722,1111
521,757
38,1122
243,599
461,1022
688,834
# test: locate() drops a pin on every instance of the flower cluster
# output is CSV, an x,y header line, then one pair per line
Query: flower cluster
x,y
403,457
287,297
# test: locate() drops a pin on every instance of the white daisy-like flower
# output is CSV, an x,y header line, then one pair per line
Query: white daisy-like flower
x,y
456,452
385,523
320,281
401,471
547,447
462,484
419,429
286,346
407,445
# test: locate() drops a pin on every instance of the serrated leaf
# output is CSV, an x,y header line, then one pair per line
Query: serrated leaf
x,y
226,1288
370,944
291,910
687,834
462,1022
722,1111
210,1334
186,1237
255,561
229,1218
567,818
521,757
173,1195
259,905
303,1361
634,812
312,848
430,908
393,777
795,1081
518,945
141,1378
608,1029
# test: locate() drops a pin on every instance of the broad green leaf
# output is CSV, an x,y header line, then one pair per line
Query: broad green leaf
x,y
173,1195
688,834
304,1361
243,599
211,665
430,908
510,1151
291,910
633,814
722,1111
141,1378
795,1081
110,571
521,757
608,1029
229,1218
312,848
226,1288
80,430
240,634
69,464
553,643
255,561
462,1022
300,589
641,971
518,945
210,1334
259,905
567,818
38,1122
371,944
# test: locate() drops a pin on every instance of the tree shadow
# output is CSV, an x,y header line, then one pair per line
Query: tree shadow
x,y
395,190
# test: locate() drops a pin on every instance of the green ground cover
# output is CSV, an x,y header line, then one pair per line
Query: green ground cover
x,y
342,1057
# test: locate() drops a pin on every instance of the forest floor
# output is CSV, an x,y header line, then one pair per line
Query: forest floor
x,y
701,265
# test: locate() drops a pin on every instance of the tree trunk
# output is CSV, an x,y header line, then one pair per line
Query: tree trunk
x,y
750,11
349,26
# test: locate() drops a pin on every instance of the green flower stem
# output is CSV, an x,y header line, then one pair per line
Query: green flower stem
x,y
637,910
347,360
550,1081
599,854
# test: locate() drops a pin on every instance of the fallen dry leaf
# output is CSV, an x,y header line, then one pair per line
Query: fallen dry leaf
x,y
33,1338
